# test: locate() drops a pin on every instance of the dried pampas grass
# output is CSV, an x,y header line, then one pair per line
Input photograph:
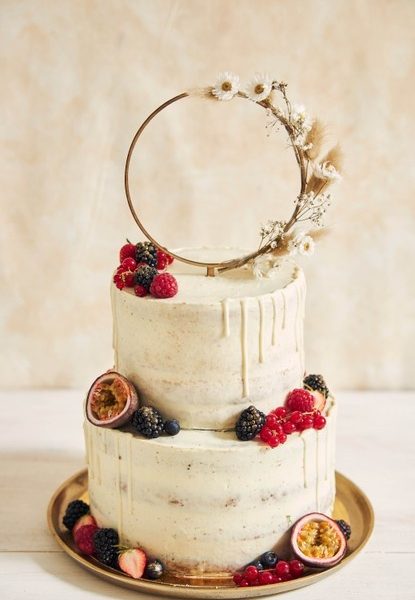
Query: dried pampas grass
x,y
315,137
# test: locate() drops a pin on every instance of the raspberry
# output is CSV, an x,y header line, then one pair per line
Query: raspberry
x,y
127,251
84,539
300,399
282,568
163,260
129,264
140,291
319,422
296,568
164,285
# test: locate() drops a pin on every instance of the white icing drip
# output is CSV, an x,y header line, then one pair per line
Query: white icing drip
x,y
326,474
225,312
302,438
114,325
274,320
297,320
244,348
118,485
89,452
261,330
130,504
283,308
98,460
317,472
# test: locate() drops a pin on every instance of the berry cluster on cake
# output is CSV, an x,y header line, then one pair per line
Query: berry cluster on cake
x,y
210,449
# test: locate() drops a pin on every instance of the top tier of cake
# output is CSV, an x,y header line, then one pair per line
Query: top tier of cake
x,y
221,344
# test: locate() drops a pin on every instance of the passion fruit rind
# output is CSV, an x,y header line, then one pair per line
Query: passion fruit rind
x,y
318,541
111,400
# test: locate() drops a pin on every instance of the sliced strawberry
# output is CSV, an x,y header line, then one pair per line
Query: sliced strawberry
x,y
133,562
85,520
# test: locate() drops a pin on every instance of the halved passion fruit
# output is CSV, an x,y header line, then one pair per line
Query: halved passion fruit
x,y
318,541
111,400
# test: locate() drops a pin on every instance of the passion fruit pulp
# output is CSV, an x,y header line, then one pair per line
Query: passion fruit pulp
x,y
111,400
318,541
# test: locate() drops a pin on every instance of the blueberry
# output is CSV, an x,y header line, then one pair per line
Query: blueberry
x,y
154,569
269,559
172,427
257,563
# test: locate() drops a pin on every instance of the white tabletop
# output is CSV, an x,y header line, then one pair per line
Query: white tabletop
x,y
41,445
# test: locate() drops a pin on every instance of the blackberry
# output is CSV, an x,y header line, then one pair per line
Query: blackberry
x,y
146,252
249,423
316,383
269,559
345,527
144,276
74,511
148,421
154,569
106,546
172,427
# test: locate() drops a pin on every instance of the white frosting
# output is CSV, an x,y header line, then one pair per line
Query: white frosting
x,y
203,501
220,344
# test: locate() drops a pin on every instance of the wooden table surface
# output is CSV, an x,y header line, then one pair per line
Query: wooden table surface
x,y
42,444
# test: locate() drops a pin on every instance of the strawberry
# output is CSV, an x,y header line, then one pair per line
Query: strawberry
x,y
133,562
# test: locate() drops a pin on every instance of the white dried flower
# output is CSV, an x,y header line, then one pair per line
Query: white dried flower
x,y
259,88
265,265
306,245
300,118
326,170
292,247
226,86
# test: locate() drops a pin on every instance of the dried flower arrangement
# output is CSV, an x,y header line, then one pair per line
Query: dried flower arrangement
x,y
317,171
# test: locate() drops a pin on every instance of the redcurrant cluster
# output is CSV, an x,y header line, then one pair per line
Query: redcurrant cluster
x,y
284,420
283,571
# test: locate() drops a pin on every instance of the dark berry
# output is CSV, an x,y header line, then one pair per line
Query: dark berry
x,y
146,252
269,560
249,424
258,564
144,276
106,546
148,421
154,569
74,511
316,383
172,427
345,527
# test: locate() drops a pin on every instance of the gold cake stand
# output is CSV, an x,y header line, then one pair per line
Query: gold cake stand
x,y
351,504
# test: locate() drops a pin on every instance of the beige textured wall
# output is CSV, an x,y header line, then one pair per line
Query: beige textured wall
x,y
78,76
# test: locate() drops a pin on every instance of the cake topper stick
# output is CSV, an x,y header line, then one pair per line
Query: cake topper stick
x,y
305,135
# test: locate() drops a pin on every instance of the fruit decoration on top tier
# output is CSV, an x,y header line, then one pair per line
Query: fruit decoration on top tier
x,y
319,167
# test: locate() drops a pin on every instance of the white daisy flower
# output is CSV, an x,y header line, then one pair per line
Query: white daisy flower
x,y
292,247
259,88
306,245
226,86
326,170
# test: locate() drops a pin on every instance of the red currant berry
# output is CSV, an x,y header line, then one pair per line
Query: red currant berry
x,y
282,568
265,434
296,568
278,430
251,573
129,263
271,421
289,427
128,278
273,441
287,577
296,417
244,583
127,251
140,291
282,438
119,282
265,577
276,578
308,421
280,412
237,578
319,422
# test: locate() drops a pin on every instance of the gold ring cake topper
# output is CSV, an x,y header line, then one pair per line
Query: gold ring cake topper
x,y
317,170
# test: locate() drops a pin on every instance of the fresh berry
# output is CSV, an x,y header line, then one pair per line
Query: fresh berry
x,y
289,427
249,424
282,568
87,519
128,278
307,422
272,421
296,568
172,427
146,252
280,412
119,281
127,251
106,546
129,264
237,578
264,577
154,569
144,276
244,583
148,421
164,285
140,291
163,260
287,577
133,562
319,422
282,438
251,573
296,417
345,527
266,434
300,399
74,511
273,441
84,539
257,563
269,559
316,383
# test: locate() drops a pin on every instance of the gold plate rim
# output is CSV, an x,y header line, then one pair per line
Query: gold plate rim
x,y
348,494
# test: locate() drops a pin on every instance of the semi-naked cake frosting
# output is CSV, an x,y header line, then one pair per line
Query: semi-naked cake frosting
x,y
203,501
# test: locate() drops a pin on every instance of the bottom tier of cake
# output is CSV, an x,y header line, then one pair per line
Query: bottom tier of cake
x,y
204,502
